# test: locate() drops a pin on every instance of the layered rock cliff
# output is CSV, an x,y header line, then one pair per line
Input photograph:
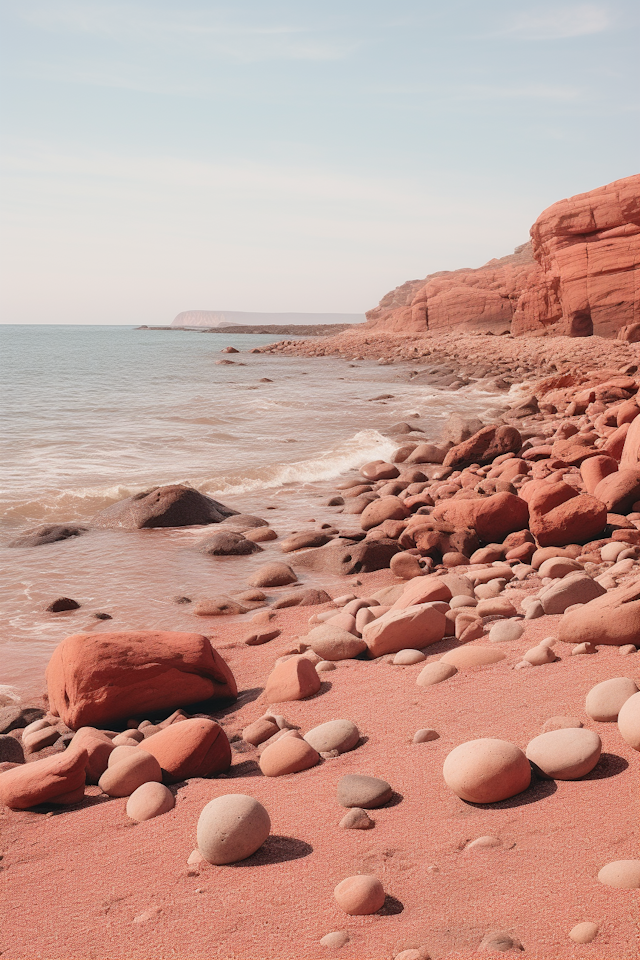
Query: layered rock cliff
x,y
579,275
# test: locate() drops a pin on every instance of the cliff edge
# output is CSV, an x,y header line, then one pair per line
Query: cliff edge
x,y
578,275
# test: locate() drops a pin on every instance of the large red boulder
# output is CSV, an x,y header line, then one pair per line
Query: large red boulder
x,y
620,490
57,779
96,679
612,619
595,469
631,449
193,748
556,520
500,515
484,446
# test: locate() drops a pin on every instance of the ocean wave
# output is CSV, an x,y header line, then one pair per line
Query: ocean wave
x,y
84,502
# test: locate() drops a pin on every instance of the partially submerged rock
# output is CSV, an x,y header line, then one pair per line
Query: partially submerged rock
x,y
169,506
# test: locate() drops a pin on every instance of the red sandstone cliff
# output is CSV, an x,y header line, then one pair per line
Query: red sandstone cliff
x,y
579,275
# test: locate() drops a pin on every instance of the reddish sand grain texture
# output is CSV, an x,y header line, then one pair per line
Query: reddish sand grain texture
x,y
88,883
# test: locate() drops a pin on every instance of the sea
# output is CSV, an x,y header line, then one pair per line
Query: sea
x,y
94,414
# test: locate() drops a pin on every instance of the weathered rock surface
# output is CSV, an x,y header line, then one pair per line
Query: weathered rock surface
x,y
95,679
57,779
169,506
193,748
289,754
48,533
293,679
612,619
575,278
415,626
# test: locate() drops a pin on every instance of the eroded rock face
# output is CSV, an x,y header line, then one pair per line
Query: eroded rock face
x,y
576,277
93,680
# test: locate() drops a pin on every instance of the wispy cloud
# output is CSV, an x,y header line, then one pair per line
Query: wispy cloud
x,y
558,22
207,30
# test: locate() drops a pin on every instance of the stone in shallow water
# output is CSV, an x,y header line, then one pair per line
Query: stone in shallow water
x,y
356,790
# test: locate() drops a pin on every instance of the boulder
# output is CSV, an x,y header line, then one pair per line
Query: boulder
x,y
332,643
306,597
484,446
575,588
170,506
18,716
356,790
293,679
501,515
274,574
95,679
289,754
385,508
412,627
340,735
121,779
379,470
595,469
576,519
360,895
346,558
486,770
612,619
231,828
565,754
48,533
605,700
56,779
620,490
227,543
193,748
629,721
421,590
301,541
149,800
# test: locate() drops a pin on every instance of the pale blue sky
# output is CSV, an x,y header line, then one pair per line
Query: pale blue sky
x,y
161,156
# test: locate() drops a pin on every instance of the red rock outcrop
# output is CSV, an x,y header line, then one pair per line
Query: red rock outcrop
x,y
580,275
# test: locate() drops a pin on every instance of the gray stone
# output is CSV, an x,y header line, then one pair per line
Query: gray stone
x,y
574,588
356,790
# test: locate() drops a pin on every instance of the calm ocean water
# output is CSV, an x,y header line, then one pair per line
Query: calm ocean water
x,y
93,414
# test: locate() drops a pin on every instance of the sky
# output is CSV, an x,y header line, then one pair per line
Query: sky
x,y
168,155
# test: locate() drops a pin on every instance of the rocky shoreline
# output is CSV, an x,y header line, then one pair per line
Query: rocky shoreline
x,y
449,738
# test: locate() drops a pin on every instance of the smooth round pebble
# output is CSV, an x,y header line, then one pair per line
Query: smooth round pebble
x,y
475,656
150,800
231,828
340,735
462,601
324,666
486,770
605,700
629,721
335,940
425,735
624,874
626,649
404,658
414,953
505,631
585,647
360,895
539,655
121,753
565,754
584,932
499,941
356,790
483,843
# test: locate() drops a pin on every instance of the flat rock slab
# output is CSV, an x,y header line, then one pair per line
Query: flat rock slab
x,y
356,790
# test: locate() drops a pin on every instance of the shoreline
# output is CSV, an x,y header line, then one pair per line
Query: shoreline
x,y
145,897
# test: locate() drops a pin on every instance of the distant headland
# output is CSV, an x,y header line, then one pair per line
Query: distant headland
x,y
226,318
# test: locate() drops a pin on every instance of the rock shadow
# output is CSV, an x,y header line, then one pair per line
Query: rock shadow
x,y
222,708
609,765
276,849
325,686
57,808
393,801
248,768
391,907
539,790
